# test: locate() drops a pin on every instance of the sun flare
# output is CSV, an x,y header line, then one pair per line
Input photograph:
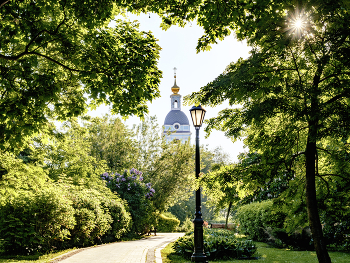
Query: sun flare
x,y
297,24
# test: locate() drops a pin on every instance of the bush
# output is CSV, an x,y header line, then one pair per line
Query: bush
x,y
167,224
92,219
256,217
61,216
137,194
36,222
187,226
218,244
121,218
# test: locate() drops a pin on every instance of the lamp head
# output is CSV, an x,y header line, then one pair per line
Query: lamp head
x,y
197,115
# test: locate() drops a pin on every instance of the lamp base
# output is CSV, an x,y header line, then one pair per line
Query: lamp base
x,y
199,257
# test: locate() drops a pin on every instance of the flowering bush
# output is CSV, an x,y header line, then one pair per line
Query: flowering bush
x,y
131,187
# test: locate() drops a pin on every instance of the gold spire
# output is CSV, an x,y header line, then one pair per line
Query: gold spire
x,y
175,89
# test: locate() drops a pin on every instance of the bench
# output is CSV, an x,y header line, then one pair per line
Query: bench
x,y
222,225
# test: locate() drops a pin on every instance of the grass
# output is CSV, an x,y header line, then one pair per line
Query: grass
x,y
266,254
33,258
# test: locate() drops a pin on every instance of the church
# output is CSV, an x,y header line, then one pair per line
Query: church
x,y
176,124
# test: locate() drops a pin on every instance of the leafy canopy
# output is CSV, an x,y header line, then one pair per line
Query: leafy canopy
x,y
58,57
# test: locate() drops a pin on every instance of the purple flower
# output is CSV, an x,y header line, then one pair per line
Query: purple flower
x,y
152,190
123,179
141,178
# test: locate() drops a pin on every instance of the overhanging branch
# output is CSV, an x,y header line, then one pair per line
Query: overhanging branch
x,y
4,3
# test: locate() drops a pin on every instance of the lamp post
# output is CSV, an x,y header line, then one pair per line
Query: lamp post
x,y
197,114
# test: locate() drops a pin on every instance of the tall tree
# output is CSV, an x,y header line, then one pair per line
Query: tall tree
x,y
58,57
112,141
293,88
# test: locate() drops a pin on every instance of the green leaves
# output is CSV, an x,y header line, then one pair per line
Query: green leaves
x,y
218,244
53,53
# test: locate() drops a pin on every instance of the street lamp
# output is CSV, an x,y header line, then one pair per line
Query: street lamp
x,y
197,114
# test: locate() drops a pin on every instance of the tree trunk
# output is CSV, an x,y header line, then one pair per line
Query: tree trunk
x,y
311,201
228,214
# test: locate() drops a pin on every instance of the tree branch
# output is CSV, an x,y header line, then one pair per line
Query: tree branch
x,y
345,178
339,96
55,61
4,3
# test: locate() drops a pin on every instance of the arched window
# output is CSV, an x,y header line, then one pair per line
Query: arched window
x,y
175,104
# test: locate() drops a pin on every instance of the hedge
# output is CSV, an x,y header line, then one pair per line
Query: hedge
x,y
255,218
167,224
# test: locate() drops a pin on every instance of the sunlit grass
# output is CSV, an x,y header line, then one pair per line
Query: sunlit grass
x,y
267,255
33,258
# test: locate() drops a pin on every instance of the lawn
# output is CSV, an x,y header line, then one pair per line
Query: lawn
x,y
267,254
35,258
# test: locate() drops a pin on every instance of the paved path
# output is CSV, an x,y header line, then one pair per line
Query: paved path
x,y
146,250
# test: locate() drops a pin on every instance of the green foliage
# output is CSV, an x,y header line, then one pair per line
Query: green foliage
x,y
55,53
185,208
292,91
186,226
130,187
18,176
167,224
92,220
112,142
218,244
60,216
38,215
67,153
122,222
35,222
169,167
254,218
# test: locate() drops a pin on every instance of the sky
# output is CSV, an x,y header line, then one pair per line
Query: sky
x,y
193,72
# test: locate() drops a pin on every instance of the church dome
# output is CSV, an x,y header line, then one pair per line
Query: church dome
x,y
176,116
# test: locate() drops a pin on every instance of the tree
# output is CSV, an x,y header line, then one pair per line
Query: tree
x,y
113,142
293,87
67,153
169,167
57,58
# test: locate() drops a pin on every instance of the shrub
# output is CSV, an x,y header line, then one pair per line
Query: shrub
x,y
254,218
61,216
121,218
92,219
167,224
218,244
130,187
35,222
187,226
